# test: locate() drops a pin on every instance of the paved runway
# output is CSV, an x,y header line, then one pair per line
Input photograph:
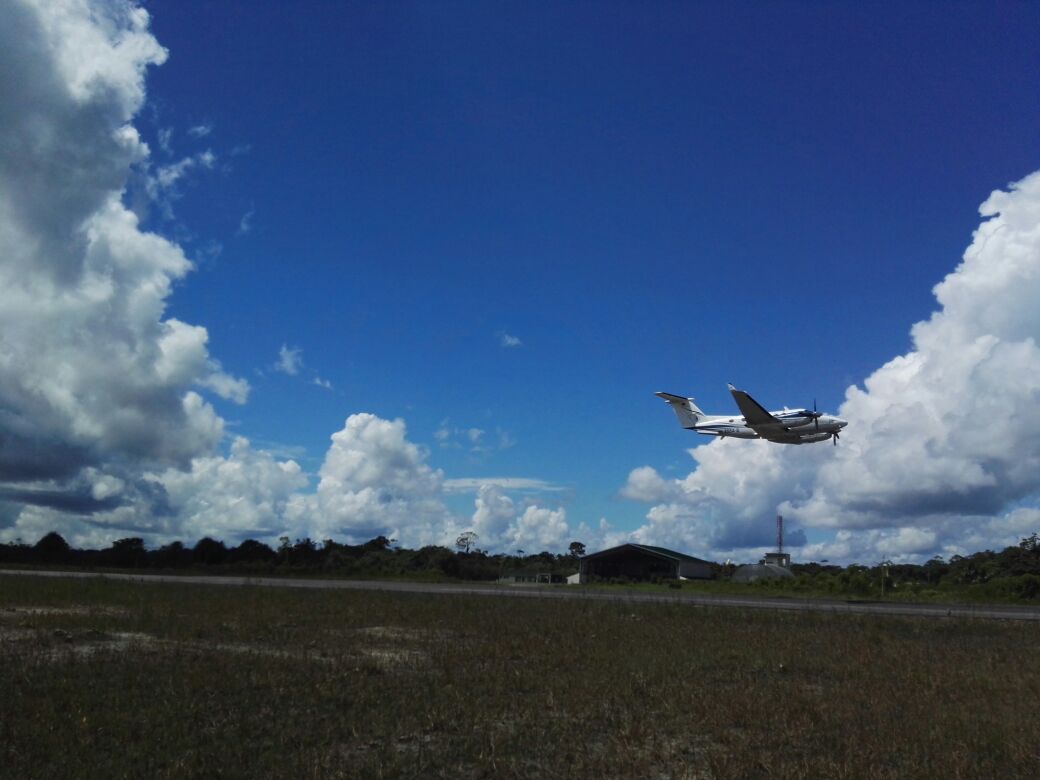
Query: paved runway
x,y
990,612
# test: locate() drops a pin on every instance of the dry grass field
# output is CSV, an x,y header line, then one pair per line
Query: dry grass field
x,y
112,679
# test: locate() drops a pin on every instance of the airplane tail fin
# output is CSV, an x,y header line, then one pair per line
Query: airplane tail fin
x,y
685,409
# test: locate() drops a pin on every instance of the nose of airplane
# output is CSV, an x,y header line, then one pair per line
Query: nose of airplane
x,y
841,423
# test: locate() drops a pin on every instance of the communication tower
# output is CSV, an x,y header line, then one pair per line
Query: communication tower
x,y
779,558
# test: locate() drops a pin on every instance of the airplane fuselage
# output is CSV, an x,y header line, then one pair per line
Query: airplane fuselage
x,y
796,429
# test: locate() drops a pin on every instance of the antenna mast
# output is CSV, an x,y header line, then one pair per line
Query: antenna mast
x,y
780,534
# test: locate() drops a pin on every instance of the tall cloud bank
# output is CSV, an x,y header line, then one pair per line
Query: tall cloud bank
x,y
105,426
93,380
942,452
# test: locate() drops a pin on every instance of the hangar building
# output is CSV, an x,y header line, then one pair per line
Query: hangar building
x,y
643,562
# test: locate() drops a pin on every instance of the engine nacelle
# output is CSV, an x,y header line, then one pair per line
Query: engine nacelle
x,y
809,438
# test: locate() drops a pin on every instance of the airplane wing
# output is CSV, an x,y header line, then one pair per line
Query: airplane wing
x,y
754,414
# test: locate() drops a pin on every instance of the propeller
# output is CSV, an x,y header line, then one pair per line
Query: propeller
x,y
835,437
815,415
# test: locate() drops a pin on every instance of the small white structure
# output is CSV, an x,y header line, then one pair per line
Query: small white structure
x,y
778,559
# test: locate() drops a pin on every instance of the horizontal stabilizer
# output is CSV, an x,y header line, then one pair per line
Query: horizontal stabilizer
x,y
673,398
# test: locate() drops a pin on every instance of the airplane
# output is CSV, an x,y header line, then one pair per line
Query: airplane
x,y
790,426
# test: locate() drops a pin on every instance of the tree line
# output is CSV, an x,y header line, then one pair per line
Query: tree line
x,y
379,557
1013,572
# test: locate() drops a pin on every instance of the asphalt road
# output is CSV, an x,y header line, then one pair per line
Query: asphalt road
x,y
989,612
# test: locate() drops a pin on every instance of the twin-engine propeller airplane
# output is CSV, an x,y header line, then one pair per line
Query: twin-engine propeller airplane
x,y
791,426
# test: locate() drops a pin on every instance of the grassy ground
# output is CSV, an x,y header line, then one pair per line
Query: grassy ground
x,y
798,588
907,594
111,679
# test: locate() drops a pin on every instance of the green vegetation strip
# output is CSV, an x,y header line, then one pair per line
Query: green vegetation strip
x,y
106,678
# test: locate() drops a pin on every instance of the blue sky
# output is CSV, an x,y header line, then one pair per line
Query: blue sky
x,y
508,224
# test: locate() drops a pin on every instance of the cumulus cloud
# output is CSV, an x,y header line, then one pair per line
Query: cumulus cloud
x,y
500,524
539,528
93,379
374,482
242,495
942,441
509,341
493,515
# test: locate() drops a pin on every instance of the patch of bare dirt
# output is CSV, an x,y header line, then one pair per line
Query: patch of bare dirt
x,y
395,660
72,609
401,634
385,649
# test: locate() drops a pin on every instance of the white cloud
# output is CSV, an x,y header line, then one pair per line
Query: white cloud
x,y
200,131
226,386
508,341
475,440
290,359
290,362
500,525
539,528
245,224
165,136
242,495
184,359
520,484
92,377
162,184
941,440
375,482
493,515
166,176
645,484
